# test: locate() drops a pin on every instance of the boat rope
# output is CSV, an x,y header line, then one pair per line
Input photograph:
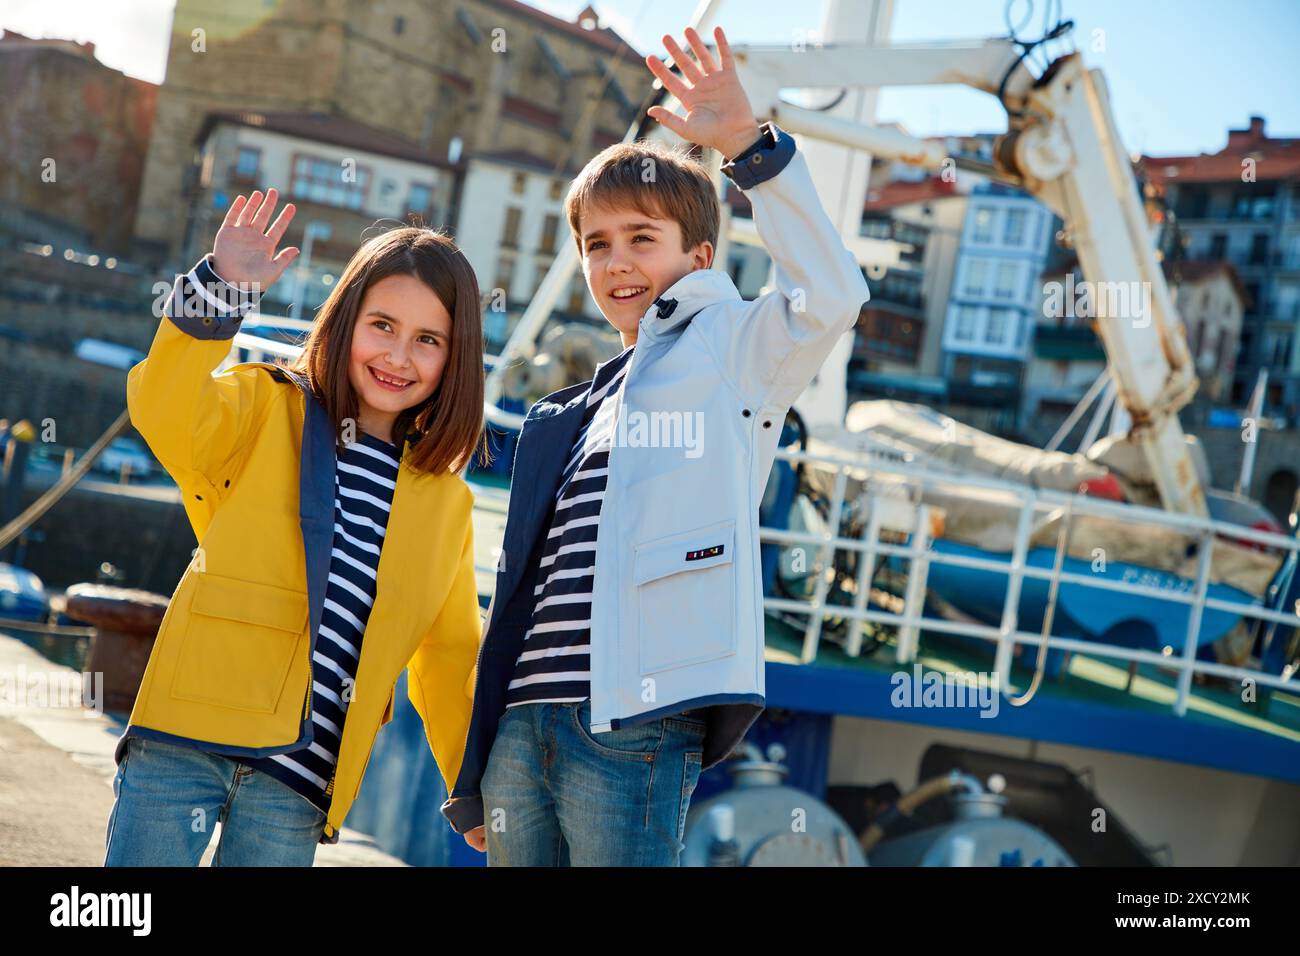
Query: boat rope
x,y
36,510
53,630
1062,545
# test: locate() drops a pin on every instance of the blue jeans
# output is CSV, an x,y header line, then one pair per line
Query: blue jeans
x,y
555,794
169,798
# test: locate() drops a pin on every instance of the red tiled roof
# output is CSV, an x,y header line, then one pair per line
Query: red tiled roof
x,y
1274,159
902,193
462,83
522,109
326,128
603,37
86,49
521,157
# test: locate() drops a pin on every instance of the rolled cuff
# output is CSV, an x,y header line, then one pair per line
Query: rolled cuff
x,y
206,306
463,813
763,160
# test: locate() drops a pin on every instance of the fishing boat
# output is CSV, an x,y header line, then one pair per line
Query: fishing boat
x,y
975,654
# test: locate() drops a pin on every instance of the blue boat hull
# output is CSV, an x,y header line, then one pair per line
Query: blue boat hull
x,y
1089,613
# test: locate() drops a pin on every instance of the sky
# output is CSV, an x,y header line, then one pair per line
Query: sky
x,y
1180,72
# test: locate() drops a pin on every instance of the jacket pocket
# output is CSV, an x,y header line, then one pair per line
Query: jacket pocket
x,y
685,597
239,643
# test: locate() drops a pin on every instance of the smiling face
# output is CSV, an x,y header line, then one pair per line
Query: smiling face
x,y
400,345
630,258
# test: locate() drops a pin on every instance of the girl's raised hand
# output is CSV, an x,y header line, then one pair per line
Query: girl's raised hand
x,y
244,250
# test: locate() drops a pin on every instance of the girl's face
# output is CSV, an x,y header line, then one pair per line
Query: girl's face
x,y
400,344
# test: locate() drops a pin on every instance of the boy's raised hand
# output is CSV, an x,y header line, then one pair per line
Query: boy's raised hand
x,y
718,114
244,250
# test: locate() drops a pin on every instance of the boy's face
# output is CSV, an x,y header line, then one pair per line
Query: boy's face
x,y
630,258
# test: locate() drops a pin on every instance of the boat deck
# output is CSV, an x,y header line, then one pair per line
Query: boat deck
x,y
1087,707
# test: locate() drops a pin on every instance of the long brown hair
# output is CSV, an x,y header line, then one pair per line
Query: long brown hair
x,y
446,429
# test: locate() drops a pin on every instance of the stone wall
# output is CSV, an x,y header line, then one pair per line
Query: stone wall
x,y
149,541
409,66
73,134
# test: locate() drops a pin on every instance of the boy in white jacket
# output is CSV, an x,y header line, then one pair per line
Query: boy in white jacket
x,y
624,648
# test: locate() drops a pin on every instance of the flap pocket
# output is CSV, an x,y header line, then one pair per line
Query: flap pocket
x,y
250,602
690,551
240,641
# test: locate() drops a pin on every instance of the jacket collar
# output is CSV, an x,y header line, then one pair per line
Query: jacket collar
x,y
669,314
684,299
315,496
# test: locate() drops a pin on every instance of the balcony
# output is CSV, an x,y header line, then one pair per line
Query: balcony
x,y
1067,343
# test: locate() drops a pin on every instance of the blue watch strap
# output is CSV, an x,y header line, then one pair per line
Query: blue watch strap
x,y
763,160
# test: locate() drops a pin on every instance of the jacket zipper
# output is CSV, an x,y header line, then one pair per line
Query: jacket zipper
x,y
311,638
638,351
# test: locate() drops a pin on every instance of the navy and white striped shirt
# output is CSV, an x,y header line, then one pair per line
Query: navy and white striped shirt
x,y
364,480
555,663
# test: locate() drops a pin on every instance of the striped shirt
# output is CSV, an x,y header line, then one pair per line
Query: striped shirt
x,y
364,480
555,663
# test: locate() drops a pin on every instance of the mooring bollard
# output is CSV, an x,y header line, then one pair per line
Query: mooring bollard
x,y
127,621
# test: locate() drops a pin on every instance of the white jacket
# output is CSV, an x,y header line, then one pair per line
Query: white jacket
x,y
677,615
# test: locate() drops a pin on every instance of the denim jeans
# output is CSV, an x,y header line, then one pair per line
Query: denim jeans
x,y
555,794
169,798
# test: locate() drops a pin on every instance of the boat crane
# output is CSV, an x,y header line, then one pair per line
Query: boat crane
x,y
1061,146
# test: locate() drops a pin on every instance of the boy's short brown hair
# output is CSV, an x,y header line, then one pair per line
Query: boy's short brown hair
x,y
658,180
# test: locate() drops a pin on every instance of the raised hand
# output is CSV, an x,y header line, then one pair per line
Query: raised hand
x,y
718,114
244,250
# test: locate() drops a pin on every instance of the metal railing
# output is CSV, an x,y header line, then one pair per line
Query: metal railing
x,y
919,478
920,556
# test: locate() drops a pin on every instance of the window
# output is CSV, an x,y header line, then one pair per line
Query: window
x,y
1218,245
1259,249
247,163
983,225
1254,306
964,329
421,199
557,188
1223,355
329,183
1005,285
510,234
505,274
1255,203
1013,229
399,25
995,333
975,277
578,294
539,273
550,231
518,184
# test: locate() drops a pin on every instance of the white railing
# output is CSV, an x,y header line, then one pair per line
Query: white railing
x,y
918,478
920,556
